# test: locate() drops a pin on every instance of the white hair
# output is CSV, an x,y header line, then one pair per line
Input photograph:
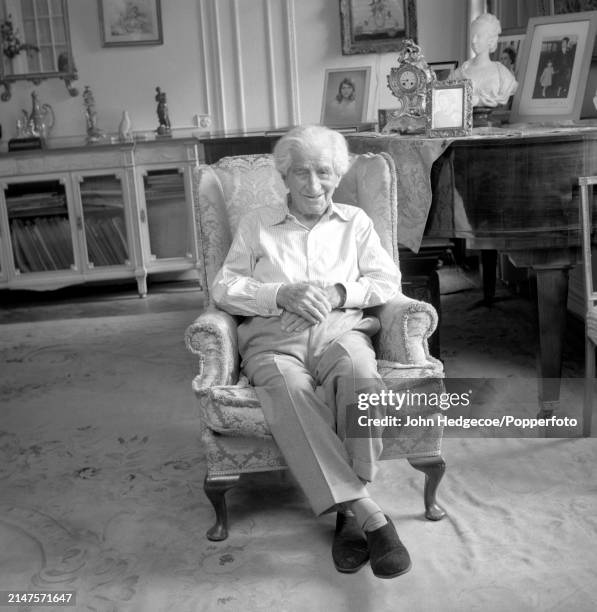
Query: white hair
x,y
311,139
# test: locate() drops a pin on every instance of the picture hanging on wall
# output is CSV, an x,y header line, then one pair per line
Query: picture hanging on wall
x,y
376,26
130,22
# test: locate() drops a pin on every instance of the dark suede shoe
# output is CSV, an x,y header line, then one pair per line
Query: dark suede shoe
x,y
349,550
389,557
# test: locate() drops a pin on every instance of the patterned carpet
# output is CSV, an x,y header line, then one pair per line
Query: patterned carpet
x,y
101,487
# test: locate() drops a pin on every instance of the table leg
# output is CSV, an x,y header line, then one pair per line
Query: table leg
x,y
552,293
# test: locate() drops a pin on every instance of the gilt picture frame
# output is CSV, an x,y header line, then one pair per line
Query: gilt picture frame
x,y
449,108
130,22
376,26
554,68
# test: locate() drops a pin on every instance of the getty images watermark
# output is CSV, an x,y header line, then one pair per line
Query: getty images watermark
x,y
463,407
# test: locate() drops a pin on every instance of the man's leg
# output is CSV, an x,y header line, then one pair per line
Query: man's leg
x,y
304,429
347,368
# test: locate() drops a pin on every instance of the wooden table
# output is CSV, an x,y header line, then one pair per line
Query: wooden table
x,y
511,190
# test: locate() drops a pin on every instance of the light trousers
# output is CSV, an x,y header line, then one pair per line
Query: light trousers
x,y
307,386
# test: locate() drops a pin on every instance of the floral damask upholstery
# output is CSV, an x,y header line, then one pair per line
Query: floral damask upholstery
x,y
234,432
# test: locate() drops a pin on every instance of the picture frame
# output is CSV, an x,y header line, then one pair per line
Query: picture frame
x,y
509,49
449,109
444,71
554,68
561,7
340,106
130,22
376,26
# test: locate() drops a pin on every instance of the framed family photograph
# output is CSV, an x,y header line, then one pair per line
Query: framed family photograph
x,y
376,26
444,71
345,96
449,108
130,22
554,68
508,51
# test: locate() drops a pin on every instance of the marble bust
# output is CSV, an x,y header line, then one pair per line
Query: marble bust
x,y
493,83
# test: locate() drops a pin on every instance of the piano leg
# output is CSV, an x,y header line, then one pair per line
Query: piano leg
x,y
489,268
552,293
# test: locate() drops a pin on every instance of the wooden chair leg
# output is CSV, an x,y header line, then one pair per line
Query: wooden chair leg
x,y
215,488
434,470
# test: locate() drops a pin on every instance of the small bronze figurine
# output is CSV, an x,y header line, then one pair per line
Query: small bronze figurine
x,y
162,110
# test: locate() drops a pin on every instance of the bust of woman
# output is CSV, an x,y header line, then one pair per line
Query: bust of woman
x,y
492,82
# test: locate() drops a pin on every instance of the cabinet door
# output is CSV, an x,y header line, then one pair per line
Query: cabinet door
x,y
169,213
40,226
104,227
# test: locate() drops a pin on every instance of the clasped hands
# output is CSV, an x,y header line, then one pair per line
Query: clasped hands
x,y
305,304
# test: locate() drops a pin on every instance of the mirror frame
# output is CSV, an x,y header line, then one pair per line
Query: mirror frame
x,y
68,76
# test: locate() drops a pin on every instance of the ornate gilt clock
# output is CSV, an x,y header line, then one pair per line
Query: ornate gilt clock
x,y
409,82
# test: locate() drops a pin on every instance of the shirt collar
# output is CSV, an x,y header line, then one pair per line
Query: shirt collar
x,y
282,214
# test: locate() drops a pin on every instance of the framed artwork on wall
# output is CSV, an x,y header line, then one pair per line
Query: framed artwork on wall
x,y
345,96
130,22
449,107
376,26
561,7
554,68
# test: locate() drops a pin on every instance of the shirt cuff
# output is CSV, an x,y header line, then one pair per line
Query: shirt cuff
x,y
265,299
356,295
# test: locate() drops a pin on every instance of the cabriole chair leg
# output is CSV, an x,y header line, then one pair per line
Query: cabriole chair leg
x,y
215,488
433,470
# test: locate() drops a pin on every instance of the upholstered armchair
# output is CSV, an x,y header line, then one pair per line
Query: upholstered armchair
x,y
234,432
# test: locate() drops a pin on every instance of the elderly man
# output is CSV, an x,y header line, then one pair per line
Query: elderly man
x,y
302,276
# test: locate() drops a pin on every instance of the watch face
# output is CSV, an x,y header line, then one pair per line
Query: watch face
x,y
408,80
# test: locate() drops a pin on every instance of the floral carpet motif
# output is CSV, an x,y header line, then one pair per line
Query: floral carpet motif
x,y
101,488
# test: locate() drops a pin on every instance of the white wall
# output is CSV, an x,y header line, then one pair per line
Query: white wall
x,y
215,58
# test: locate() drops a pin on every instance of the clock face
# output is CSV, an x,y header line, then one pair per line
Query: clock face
x,y
408,80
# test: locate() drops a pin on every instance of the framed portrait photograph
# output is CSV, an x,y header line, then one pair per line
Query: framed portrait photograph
x,y
444,71
508,51
554,68
376,26
449,108
345,96
130,22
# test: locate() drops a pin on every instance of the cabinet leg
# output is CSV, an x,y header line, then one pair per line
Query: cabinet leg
x,y
434,470
215,488
141,277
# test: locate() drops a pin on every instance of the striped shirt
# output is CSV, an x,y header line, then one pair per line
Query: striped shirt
x,y
271,248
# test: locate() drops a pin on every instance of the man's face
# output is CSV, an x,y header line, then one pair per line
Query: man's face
x,y
311,180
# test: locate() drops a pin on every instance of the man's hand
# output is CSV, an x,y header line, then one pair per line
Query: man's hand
x,y
305,299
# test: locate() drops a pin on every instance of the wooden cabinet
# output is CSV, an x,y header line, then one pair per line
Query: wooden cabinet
x,y
73,214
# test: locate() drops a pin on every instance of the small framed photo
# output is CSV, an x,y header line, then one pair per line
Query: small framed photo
x,y
444,71
130,22
449,108
345,96
508,51
376,26
554,68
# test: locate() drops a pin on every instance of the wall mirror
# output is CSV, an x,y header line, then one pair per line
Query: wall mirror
x,y
35,43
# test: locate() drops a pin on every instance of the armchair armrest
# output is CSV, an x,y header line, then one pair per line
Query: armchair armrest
x,y
213,338
406,325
